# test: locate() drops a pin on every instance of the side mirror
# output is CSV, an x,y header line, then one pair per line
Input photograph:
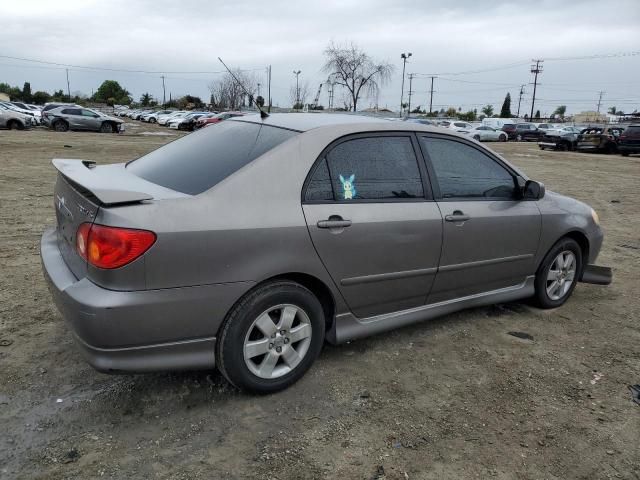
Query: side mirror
x,y
533,189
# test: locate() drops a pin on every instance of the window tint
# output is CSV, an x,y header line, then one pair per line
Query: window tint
x,y
200,160
88,113
71,111
319,187
463,171
375,168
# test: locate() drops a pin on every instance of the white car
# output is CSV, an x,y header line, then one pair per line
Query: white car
x,y
165,119
36,117
153,116
483,133
457,125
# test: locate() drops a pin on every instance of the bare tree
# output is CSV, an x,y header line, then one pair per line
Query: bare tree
x,y
356,71
299,98
226,93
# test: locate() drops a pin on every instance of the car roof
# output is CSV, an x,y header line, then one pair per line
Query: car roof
x,y
308,121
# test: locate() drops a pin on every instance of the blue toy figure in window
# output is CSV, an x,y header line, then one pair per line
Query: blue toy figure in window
x,y
348,188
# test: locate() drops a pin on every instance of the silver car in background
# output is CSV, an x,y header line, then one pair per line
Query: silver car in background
x,y
14,120
249,243
73,117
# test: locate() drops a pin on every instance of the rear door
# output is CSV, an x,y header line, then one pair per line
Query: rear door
x,y
373,222
74,117
489,236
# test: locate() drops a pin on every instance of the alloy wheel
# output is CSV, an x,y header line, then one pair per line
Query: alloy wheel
x,y
277,341
561,275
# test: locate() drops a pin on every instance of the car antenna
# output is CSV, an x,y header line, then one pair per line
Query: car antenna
x,y
263,114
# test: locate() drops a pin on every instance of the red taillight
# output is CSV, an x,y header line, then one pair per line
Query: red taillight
x,y
112,247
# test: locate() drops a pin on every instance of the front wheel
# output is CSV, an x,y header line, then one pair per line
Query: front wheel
x,y
476,137
107,127
271,337
502,138
558,273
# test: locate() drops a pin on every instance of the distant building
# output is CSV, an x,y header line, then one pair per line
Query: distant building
x,y
4,97
586,117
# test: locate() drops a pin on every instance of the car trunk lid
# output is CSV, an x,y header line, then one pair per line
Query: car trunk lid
x,y
82,189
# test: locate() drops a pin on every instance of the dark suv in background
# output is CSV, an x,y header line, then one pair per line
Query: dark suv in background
x,y
599,139
629,140
527,132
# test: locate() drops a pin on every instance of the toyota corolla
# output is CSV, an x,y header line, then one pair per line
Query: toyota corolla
x,y
248,244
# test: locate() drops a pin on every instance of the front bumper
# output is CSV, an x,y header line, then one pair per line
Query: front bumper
x,y
548,144
138,331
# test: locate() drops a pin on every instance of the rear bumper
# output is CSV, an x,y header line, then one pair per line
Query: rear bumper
x,y
597,275
138,331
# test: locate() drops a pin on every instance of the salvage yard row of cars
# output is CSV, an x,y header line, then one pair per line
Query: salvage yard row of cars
x,y
187,120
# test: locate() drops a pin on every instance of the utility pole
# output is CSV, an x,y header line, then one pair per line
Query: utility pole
x,y
68,89
164,93
536,69
411,75
297,74
600,94
269,88
258,88
520,99
404,57
431,94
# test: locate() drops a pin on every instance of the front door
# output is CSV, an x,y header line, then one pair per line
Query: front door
x,y
489,236
373,222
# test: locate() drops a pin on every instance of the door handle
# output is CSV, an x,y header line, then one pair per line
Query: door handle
x,y
334,221
457,216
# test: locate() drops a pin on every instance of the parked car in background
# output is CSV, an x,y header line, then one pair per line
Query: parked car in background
x,y
527,132
483,133
50,106
62,119
544,126
456,125
216,118
187,122
564,138
497,123
35,119
422,121
14,120
153,116
629,140
190,257
165,119
510,130
599,139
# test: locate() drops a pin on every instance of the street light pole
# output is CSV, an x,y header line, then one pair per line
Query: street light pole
x,y
404,57
297,73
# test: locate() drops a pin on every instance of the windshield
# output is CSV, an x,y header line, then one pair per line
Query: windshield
x,y
197,162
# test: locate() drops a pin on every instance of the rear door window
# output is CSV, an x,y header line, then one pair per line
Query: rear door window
x,y
381,168
199,161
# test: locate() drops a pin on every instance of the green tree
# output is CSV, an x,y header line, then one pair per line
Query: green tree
x,y
110,89
537,116
145,99
40,97
487,110
505,111
469,116
451,112
612,110
58,96
560,111
26,92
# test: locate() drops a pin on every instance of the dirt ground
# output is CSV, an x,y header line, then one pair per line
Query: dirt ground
x,y
454,398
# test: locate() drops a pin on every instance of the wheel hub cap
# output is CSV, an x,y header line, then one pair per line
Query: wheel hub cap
x,y
561,275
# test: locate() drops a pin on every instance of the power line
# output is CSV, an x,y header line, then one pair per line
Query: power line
x,y
152,72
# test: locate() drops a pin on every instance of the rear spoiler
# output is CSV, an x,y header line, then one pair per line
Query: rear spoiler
x,y
113,185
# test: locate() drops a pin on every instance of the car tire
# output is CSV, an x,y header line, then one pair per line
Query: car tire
x,y
60,126
624,154
558,273
107,127
254,354
564,147
14,125
476,137
152,120
502,138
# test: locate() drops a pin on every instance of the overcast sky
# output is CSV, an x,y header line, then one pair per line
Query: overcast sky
x,y
444,37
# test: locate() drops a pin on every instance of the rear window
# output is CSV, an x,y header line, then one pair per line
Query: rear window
x,y
199,161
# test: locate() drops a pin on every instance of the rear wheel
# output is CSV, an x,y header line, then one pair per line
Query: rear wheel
x,y
107,127
612,148
502,138
13,125
558,274
152,120
271,337
476,137
61,126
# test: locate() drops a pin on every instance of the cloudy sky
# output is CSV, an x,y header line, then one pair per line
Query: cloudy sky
x,y
496,39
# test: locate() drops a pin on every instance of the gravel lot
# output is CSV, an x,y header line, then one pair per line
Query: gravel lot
x,y
453,398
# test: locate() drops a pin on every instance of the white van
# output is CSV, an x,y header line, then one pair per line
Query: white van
x,y
497,123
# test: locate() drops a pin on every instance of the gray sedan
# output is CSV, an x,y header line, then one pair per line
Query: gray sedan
x,y
248,244
72,117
